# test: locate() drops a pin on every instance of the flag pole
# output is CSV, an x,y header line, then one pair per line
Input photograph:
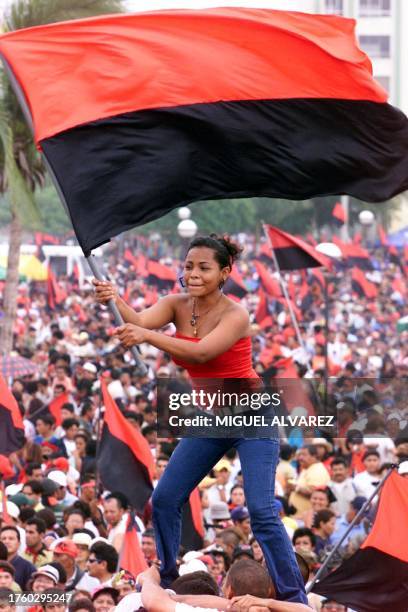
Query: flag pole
x,y
286,295
350,527
15,85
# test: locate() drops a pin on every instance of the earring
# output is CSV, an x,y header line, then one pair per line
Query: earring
x,y
181,281
220,286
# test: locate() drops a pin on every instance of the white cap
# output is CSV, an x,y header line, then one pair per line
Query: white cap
x,y
82,539
12,509
90,367
48,570
192,554
195,565
13,489
403,468
59,477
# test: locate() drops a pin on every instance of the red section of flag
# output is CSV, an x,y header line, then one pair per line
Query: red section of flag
x,y
55,407
121,429
7,400
357,238
196,512
339,213
131,557
382,235
262,309
161,271
390,530
271,285
56,294
362,285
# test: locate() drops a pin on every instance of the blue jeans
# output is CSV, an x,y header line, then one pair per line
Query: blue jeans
x,y
190,462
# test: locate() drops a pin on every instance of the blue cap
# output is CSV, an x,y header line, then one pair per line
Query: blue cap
x,y
240,513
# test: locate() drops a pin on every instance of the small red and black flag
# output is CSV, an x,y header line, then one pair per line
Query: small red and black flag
x,y
11,422
55,293
268,283
42,239
362,286
192,528
160,275
293,253
262,310
131,557
375,578
235,285
138,128
338,214
125,460
354,255
54,407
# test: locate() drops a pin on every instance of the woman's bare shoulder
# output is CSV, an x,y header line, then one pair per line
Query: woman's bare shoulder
x,y
236,310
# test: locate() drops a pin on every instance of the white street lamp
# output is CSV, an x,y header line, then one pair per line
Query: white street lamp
x,y
329,249
366,217
187,228
184,213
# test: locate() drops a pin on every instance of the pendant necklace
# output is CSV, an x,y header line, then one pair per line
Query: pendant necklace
x,y
195,315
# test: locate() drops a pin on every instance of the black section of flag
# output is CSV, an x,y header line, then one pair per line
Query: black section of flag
x,y
120,470
11,437
124,171
369,581
294,258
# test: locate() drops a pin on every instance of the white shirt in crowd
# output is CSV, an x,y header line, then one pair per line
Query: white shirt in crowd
x,y
344,492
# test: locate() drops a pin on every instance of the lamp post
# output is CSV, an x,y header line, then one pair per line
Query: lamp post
x,y
366,218
187,228
332,251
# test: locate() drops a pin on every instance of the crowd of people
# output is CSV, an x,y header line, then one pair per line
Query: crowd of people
x,y
64,531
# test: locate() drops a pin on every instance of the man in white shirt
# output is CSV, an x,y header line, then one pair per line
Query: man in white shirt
x,y
366,482
342,486
221,490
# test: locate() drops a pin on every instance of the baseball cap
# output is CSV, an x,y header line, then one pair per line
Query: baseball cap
x,y
242,550
240,513
48,570
194,565
66,547
12,509
219,511
58,477
13,489
61,464
49,486
90,367
223,464
21,500
82,539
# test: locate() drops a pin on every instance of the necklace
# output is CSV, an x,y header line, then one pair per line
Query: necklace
x,y
195,316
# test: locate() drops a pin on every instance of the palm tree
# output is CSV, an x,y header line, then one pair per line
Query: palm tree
x,y
21,168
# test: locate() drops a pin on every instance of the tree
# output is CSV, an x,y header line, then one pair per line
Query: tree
x,y
22,171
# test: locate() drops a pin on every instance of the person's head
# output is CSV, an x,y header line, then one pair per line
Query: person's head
x,y
319,499
74,518
82,604
105,599
114,508
81,440
372,461
324,523
70,427
7,573
339,470
222,472
303,539
33,490
237,496
330,605
307,456
60,480
286,452
228,539
241,520
6,597
45,425
208,264
34,471
56,600
354,508
102,560
161,464
46,577
65,552
149,544
10,536
35,531
256,550
195,583
248,577
221,562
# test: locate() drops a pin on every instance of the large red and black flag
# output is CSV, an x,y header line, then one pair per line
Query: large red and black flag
x,y
160,275
137,115
11,422
192,528
235,285
125,460
267,282
375,578
339,214
354,255
293,253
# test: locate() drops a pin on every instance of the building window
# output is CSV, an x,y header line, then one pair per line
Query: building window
x,y
376,46
384,81
334,7
375,8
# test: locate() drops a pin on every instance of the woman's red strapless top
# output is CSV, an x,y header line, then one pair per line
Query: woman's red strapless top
x,y
236,362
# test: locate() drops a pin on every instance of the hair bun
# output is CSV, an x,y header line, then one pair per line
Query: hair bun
x,y
234,251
